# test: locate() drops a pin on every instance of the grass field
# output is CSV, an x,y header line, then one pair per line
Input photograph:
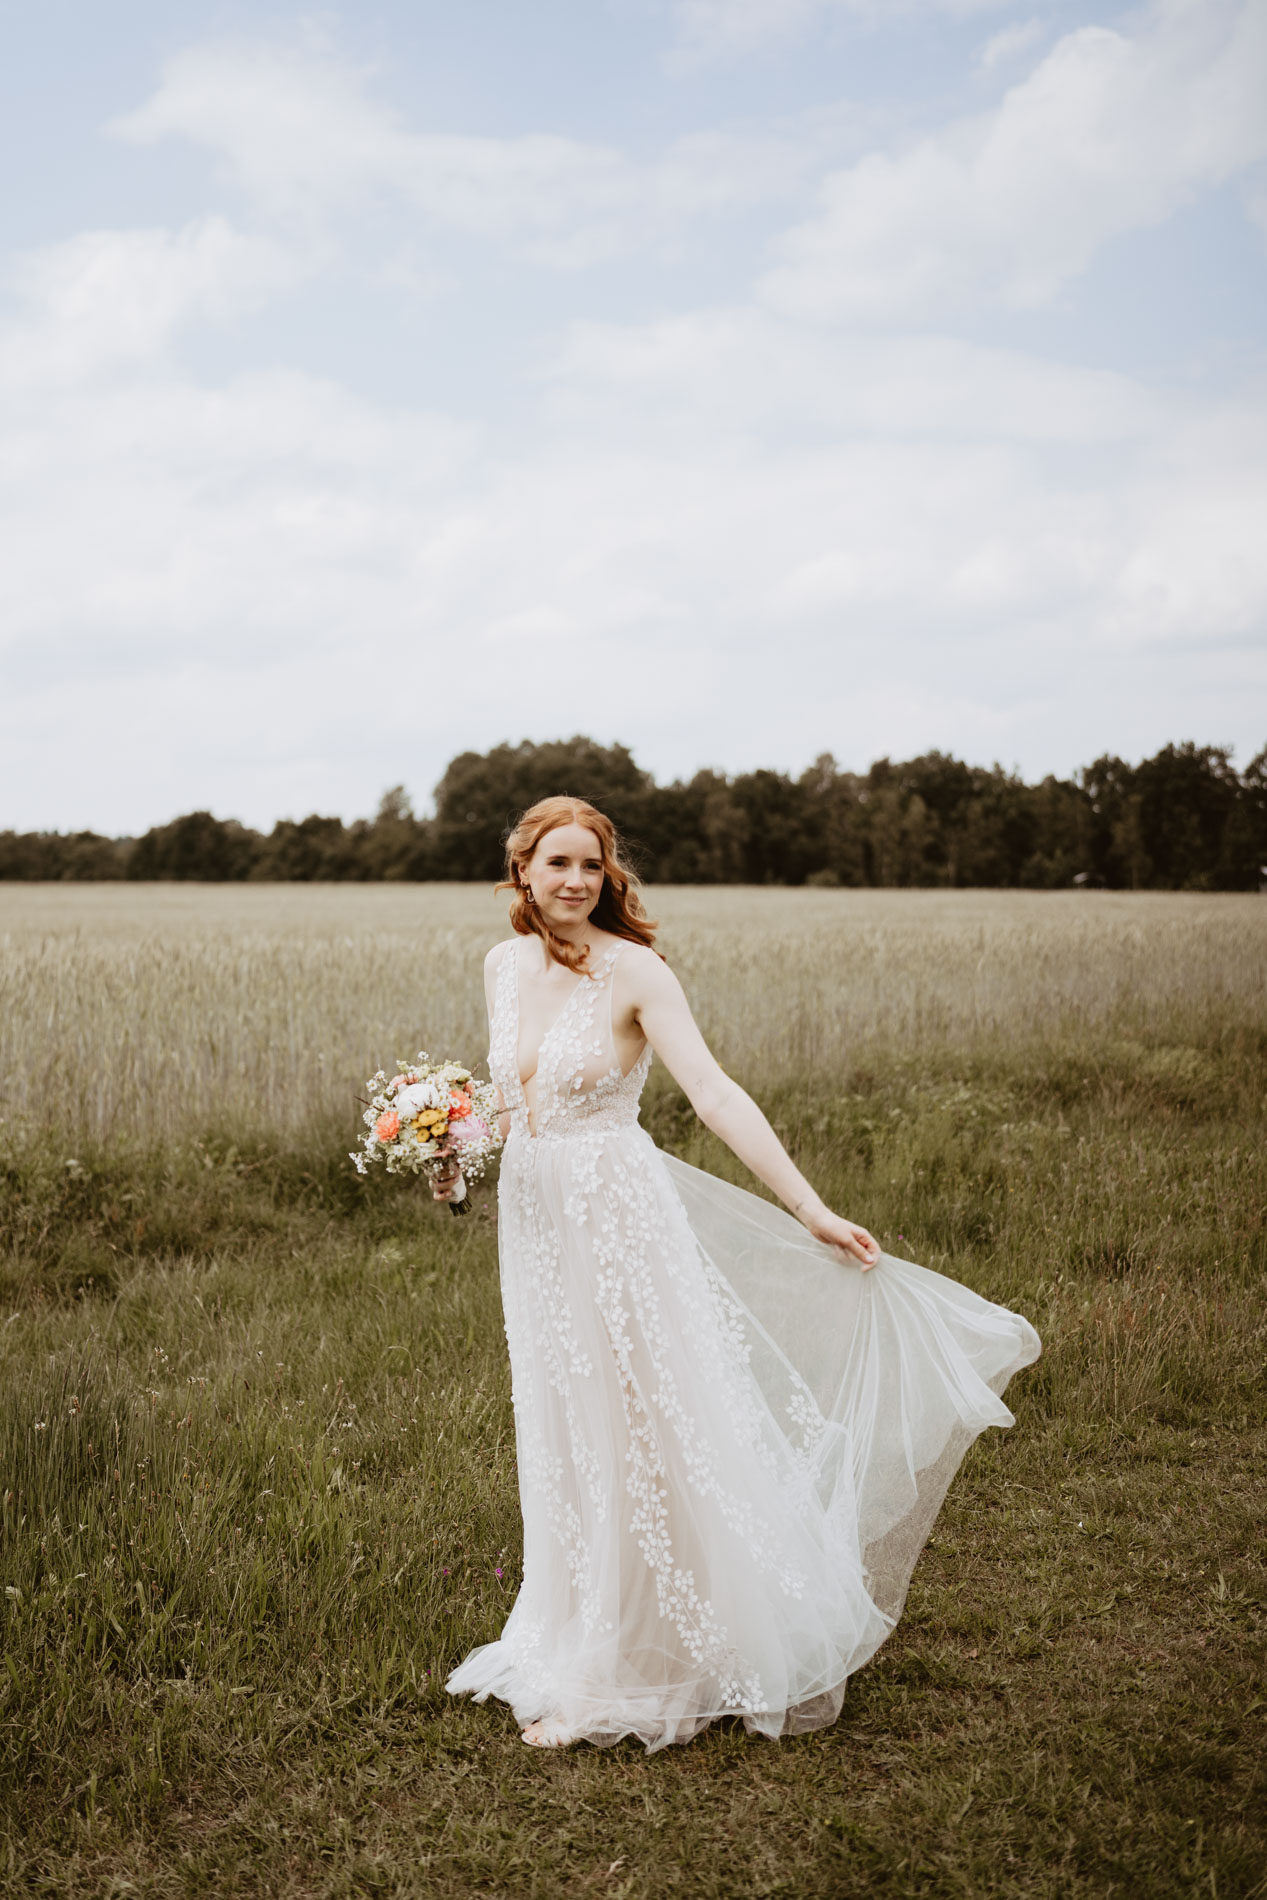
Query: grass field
x,y
255,1446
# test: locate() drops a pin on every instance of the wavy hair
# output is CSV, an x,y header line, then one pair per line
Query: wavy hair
x,y
619,908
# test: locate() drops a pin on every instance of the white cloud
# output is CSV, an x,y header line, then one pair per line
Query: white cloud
x,y
302,135
1109,133
734,535
107,297
936,485
157,517
714,373
709,29
300,132
1001,49
720,538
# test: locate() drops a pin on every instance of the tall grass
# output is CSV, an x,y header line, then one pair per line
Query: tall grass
x,y
256,1450
140,1012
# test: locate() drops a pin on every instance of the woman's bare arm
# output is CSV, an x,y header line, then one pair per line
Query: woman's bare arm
x,y
664,1016
451,1186
492,964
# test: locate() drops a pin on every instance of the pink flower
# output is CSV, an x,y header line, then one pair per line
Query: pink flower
x,y
471,1129
459,1106
387,1127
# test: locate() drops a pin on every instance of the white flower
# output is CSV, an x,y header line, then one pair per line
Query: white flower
x,y
415,1151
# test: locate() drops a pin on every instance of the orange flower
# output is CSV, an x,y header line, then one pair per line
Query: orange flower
x,y
387,1127
459,1105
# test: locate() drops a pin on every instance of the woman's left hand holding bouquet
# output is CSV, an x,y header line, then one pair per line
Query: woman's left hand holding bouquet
x,y
447,1184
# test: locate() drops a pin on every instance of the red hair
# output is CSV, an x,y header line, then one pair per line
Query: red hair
x,y
619,908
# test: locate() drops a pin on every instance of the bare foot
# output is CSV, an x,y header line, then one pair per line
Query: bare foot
x,y
546,1733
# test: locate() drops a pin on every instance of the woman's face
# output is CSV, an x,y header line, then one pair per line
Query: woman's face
x,y
565,875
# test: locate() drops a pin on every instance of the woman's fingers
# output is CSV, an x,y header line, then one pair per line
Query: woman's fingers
x,y
851,1242
864,1247
856,1258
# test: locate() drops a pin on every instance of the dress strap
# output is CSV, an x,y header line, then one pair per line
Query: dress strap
x,y
505,1037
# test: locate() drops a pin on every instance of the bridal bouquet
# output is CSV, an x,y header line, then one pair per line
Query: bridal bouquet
x,y
428,1115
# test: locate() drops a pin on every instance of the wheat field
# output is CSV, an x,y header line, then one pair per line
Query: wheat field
x,y
257,1479
142,1011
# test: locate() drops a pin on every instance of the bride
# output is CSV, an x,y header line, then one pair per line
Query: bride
x,y
734,1426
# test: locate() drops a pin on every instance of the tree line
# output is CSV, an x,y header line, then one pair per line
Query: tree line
x,y
1183,820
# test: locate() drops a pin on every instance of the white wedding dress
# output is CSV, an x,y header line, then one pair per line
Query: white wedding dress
x,y
731,1444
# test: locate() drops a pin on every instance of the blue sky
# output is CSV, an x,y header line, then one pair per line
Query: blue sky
x,y
740,379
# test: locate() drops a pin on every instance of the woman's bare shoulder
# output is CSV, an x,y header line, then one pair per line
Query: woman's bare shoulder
x,y
494,958
644,967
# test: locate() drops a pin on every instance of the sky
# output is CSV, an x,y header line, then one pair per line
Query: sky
x,y
739,380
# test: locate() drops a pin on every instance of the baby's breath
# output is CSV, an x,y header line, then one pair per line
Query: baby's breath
x,y
426,1114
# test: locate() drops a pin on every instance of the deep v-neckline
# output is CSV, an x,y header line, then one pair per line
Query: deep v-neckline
x,y
583,977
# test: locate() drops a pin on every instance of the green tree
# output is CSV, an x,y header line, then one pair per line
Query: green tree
x,y
482,795
1184,819
1254,792
197,846
1188,796
395,845
51,856
780,846
838,821
312,850
694,833
1117,844
1063,836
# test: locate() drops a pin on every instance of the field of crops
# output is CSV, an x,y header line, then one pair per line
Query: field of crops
x,y
129,1012
256,1456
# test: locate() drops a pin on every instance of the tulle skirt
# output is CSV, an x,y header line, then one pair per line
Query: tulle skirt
x,y
731,1445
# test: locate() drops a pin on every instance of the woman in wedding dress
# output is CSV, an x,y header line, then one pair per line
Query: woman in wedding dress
x,y
734,1426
